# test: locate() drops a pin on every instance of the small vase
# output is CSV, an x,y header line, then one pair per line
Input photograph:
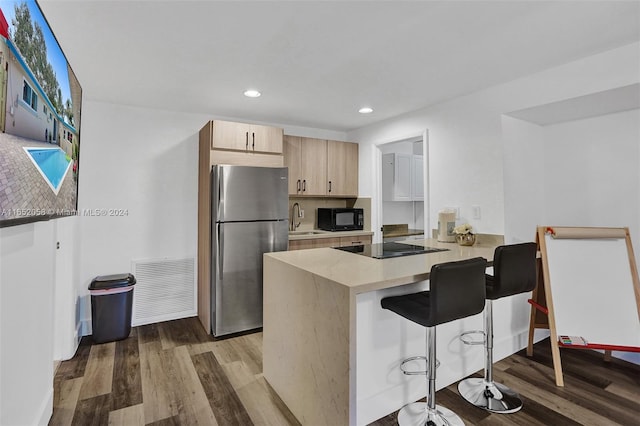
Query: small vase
x,y
466,239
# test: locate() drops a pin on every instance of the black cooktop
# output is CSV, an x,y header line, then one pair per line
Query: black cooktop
x,y
386,250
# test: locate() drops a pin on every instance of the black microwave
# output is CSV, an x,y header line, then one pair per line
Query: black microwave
x,y
340,219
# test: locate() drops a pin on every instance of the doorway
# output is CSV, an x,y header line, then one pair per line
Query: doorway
x,y
403,196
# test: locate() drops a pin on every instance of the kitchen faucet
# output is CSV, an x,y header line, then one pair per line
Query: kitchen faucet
x,y
293,216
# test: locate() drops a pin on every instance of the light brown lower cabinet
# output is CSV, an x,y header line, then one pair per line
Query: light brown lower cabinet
x,y
329,242
356,240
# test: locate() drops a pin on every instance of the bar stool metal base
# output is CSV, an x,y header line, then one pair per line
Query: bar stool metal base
x,y
418,414
490,396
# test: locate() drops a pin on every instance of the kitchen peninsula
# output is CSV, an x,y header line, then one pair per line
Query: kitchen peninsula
x,y
329,350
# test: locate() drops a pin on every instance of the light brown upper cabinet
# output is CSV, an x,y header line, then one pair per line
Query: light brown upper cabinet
x,y
342,169
246,137
307,162
318,167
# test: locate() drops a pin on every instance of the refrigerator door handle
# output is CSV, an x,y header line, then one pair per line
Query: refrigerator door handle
x,y
216,279
220,254
219,200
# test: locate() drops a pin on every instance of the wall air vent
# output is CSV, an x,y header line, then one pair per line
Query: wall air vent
x,y
165,290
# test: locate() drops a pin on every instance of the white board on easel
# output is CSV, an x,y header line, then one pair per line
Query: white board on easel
x,y
592,287
588,288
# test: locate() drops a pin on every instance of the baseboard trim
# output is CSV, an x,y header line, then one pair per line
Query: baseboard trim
x,y
85,327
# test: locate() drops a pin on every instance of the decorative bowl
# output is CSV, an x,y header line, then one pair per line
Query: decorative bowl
x,y
466,239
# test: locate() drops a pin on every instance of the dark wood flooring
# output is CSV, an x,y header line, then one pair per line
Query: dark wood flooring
x,y
173,373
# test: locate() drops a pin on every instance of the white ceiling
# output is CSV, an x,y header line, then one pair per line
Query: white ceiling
x,y
316,63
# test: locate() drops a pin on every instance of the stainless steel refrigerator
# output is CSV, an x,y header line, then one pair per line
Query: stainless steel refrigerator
x,y
249,217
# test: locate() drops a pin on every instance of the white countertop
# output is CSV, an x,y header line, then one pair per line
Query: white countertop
x,y
361,274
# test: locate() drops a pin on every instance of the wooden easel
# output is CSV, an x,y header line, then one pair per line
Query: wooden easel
x,y
543,311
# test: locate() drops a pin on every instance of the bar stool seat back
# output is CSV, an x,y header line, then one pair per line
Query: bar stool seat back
x,y
514,268
456,290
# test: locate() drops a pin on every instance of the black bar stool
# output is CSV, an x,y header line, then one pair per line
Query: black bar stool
x,y
514,268
456,290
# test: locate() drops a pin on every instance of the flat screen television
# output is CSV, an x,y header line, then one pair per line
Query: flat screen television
x,y
40,110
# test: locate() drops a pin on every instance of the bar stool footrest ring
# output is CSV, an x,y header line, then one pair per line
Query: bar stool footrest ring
x,y
468,340
415,372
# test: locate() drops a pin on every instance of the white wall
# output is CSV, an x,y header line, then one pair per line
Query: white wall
x,y
475,159
592,177
464,166
141,160
144,161
26,326
465,134
579,173
592,173
523,164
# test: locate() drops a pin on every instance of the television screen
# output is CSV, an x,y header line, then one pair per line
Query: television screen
x,y
40,102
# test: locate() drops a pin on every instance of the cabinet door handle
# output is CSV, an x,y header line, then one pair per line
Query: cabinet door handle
x,y
298,186
329,186
304,185
246,146
253,143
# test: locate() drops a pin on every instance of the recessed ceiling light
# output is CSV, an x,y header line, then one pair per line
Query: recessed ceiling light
x,y
251,93
365,110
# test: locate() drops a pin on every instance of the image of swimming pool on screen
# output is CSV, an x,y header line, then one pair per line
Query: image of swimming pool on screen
x,y
40,111
52,163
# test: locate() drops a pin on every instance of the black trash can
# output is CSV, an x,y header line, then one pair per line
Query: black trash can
x,y
111,303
